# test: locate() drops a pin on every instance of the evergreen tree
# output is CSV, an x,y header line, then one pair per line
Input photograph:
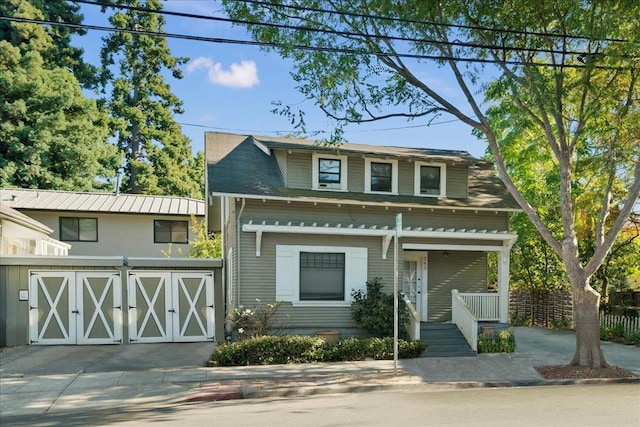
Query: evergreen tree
x,y
158,155
51,136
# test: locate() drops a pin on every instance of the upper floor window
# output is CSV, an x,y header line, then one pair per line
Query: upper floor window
x,y
78,229
170,231
430,179
381,176
329,172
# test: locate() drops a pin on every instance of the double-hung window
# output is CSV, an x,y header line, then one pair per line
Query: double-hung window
x,y
78,229
381,176
329,172
319,275
430,179
170,231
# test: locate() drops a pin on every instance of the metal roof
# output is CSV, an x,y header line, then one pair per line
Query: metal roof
x,y
53,200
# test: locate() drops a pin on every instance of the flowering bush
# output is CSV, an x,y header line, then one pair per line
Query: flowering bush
x,y
254,322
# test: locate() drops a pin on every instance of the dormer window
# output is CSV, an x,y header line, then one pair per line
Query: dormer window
x,y
329,172
381,176
430,179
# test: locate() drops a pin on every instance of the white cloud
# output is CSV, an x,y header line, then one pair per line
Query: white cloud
x,y
242,75
200,62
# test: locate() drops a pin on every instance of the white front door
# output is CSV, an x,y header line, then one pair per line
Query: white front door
x,y
414,280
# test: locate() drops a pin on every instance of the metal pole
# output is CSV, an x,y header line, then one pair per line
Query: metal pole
x,y
395,293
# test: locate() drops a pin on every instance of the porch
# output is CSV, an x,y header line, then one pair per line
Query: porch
x,y
471,315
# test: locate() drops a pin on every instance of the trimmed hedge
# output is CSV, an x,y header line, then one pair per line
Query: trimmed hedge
x,y
272,350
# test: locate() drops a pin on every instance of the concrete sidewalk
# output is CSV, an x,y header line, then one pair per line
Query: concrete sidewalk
x,y
37,380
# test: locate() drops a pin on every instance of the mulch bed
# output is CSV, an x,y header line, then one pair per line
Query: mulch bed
x,y
568,372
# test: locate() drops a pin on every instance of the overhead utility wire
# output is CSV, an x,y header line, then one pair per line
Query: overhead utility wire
x,y
415,21
296,46
335,32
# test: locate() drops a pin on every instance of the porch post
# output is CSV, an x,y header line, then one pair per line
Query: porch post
x,y
503,280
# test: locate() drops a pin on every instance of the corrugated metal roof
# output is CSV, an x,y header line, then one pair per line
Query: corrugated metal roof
x,y
19,198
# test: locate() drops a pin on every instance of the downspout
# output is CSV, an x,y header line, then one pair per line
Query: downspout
x,y
238,250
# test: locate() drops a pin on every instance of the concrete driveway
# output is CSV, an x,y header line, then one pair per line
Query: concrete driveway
x,y
50,360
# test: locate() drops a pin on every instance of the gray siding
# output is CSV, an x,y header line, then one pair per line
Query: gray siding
x,y
355,176
299,170
464,271
259,276
457,178
281,158
405,177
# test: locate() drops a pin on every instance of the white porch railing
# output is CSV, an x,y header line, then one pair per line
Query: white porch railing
x,y
485,307
464,319
413,328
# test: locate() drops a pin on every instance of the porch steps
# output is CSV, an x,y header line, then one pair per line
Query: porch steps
x,y
444,340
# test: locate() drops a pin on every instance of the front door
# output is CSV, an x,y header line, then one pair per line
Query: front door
x,y
414,280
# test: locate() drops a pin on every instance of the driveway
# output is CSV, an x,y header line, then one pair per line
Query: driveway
x,y
50,360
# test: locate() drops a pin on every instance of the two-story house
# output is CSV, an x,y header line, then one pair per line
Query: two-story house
x,y
306,224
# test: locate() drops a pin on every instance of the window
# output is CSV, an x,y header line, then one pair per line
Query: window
x,y
79,229
329,172
381,176
430,179
170,231
319,275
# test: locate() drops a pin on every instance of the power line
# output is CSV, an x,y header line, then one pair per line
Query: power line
x,y
341,33
299,46
414,21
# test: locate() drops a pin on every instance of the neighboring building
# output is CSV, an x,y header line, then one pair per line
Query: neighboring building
x,y
22,235
105,224
307,224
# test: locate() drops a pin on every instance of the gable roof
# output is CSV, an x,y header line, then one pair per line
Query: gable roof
x,y
22,219
244,166
54,200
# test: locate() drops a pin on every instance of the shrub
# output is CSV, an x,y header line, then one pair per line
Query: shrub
x,y
616,333
256,322
373,310
268,350
503,342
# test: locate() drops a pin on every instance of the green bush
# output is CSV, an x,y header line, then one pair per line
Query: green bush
x,y
616,333
270,350
503,342
373,310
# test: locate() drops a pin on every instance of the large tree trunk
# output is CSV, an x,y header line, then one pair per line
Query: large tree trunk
x,y
586,303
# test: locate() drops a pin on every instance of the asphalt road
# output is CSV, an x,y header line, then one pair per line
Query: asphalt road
x,y
580,405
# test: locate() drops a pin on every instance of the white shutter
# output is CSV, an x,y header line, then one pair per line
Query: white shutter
x,y
357,271
286,269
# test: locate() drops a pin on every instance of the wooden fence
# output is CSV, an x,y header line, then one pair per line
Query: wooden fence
x,y
542,308
630,324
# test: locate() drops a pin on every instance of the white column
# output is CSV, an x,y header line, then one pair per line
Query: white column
x,y
503,280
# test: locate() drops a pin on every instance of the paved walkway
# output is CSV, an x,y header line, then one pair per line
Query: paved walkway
x,y
37,380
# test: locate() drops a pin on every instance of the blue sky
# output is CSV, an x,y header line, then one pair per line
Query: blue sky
x,y
232,88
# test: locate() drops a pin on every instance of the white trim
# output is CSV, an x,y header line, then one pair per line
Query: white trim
x,y
331,201
443,179
451,247
262,147
367,175
288,273
342,185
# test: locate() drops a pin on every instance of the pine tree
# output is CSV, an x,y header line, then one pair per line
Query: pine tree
x,y
158,155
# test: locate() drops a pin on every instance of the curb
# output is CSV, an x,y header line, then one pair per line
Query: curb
x,y
251,392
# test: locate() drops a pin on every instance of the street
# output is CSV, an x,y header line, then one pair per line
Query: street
x,y
576,405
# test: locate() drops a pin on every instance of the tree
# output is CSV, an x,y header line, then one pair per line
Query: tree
x,y
204,245
51,136
158,155
564,72
59,52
